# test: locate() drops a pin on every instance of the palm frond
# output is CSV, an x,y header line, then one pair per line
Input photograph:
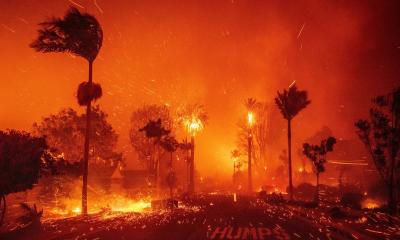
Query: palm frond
x,y
77,33
88,92
291,102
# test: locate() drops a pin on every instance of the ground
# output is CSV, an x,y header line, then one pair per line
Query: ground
x,y
216,217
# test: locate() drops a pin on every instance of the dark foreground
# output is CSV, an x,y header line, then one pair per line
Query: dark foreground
x,y
213,217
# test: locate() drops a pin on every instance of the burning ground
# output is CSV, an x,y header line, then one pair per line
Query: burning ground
x,y
218,216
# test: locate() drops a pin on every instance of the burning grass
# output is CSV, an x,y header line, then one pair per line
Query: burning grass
x,y
67,207
370,203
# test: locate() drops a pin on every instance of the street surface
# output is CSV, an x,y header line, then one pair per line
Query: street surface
x,y
207,217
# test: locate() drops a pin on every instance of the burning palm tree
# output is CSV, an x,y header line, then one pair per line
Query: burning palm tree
x,y
250,105
290,102
193,117
79,34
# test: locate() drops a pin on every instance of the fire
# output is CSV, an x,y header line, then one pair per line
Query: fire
x,y
371,203
250,118
76,210
276,190
301,169
113,203
194,125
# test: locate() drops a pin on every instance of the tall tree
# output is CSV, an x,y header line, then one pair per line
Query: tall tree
x,y
261,135
80,34
155,130
290,102
148,151
193,117
381,136
317,155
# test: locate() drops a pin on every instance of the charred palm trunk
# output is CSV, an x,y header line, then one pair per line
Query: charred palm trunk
x,y
249,175
392,198
191,170
86,150
290,159
158,190
317,193
171,193
392,184
3,209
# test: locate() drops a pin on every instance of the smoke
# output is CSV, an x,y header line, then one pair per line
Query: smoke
x,y
217,53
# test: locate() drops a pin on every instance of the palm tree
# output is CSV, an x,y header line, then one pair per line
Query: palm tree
x,y
250,105
193,117
79,34
290,102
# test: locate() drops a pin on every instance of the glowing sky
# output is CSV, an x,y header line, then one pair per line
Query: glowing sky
x,y
215,52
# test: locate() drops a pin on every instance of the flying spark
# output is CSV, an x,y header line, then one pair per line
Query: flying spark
x,y
76,4
98,6
301,30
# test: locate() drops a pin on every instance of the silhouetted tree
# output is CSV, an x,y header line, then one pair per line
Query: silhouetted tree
x,y
21,161
170,144
148,151
80,34
381,136
290,103
317,155
155,130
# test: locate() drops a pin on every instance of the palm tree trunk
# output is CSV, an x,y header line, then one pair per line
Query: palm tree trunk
x,y
170,187
158,176
317,193
86,150
290,159
250,180
392,196
191,174
3,211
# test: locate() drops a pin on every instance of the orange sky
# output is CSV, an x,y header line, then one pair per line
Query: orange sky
x,y
213,52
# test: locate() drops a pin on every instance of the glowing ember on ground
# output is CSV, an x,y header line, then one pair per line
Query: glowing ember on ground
x,y
371,204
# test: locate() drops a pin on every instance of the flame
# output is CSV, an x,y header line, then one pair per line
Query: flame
x,y
250,118
194,125
371,203
301,169
113,203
